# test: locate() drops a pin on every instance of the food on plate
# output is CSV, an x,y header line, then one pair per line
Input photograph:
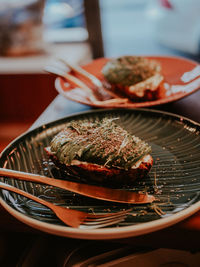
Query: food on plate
x,y
101,151
137,77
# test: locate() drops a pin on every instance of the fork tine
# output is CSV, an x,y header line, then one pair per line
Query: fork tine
x,y
109,215
103,224
102,220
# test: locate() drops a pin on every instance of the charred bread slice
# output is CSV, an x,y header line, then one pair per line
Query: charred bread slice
x,y
138,78
100,151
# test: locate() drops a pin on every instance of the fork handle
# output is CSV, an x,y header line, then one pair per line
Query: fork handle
x,y
64,214
25,194
82,72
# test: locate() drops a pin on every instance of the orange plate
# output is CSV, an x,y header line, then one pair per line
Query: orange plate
x,y
173,69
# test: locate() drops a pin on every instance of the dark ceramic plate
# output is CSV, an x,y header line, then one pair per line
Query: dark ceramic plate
x,y
174,178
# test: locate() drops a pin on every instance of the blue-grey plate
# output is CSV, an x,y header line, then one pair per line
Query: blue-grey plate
x,y
174,178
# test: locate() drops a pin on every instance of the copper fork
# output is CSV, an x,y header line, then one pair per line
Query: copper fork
x,y
71,217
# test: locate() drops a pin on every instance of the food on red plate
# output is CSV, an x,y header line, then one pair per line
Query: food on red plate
x,y
138,78
100,151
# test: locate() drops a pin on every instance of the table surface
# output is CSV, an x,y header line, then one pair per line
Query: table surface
x,y
187,230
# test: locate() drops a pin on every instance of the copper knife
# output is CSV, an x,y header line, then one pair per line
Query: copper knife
x,y
97,192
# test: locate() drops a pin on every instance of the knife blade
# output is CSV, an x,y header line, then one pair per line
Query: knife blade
x,y
97,192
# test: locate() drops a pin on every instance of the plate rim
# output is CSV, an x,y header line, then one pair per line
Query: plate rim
x,y
104,233
157,102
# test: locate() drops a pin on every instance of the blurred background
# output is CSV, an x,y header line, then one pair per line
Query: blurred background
x,y
33,31
131,26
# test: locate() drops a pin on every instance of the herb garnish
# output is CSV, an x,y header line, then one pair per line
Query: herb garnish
x,y
102,142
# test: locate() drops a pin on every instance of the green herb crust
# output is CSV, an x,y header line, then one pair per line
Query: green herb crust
x,y
129,70
100,142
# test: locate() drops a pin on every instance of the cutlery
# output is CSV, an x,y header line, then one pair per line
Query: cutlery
x,y
102,193
93,94
93,79
74,80
71,217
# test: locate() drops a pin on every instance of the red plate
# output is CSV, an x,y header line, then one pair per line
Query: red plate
x,y
181,78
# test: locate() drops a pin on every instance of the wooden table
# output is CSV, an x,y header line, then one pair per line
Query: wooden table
x,y
184,235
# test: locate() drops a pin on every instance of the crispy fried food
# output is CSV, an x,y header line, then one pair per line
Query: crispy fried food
x,y
138,78
100,151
